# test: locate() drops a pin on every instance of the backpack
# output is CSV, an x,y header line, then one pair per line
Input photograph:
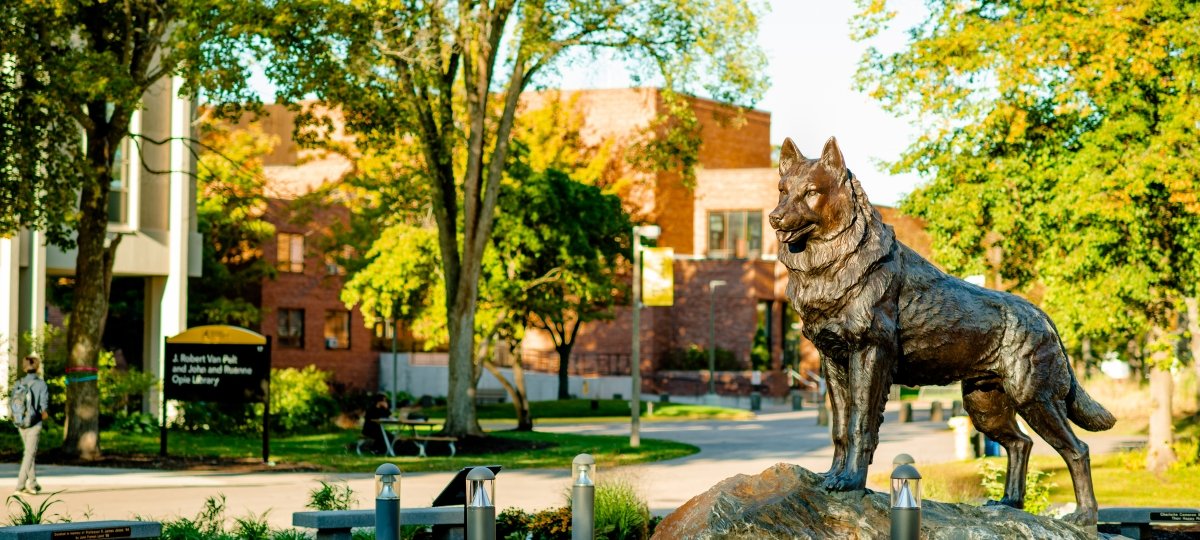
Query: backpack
x,y
20,404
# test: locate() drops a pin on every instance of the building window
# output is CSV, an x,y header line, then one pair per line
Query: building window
x,y
118,186
337,329
735,234
290,254
290,334
381,339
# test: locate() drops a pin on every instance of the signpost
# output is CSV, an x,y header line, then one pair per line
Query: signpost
x,y
218,363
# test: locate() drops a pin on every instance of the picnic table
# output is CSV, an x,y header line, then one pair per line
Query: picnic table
x,y
414,434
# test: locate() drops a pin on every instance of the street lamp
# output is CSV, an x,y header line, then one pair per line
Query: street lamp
x,y
906,501
635,368
712,340
583,497
481,506
387,502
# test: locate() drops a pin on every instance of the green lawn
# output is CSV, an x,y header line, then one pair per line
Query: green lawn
x,y
328,451
606,410
1119,479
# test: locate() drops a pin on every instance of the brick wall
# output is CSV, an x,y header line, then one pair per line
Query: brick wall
x,y
315,292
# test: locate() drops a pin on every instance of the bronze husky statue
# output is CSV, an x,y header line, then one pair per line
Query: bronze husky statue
x,y
879,314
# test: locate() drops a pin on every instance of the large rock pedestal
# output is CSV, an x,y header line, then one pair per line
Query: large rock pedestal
x,y
787,501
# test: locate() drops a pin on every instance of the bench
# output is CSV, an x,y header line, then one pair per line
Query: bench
x,y
336,524
490,395
422,440
86,529
1135,522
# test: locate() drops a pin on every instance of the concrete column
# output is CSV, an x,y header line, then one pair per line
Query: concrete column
x,y
10,299
33,289
166,297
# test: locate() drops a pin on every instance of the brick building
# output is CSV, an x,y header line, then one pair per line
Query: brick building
x,y
718,229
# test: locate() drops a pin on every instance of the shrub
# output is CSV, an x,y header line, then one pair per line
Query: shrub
x,y
621,514
27,515
512,524
1037,486
331,497
553,524
695,357
300,401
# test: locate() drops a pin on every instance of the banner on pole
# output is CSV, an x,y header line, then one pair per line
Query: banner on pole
x,y
658,276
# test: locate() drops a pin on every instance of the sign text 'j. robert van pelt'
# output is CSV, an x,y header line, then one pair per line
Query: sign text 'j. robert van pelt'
x,y
207,372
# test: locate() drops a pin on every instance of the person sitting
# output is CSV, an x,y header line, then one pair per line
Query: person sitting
x,y
371,428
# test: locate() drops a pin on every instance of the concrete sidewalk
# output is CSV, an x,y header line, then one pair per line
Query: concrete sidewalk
x,y
727,448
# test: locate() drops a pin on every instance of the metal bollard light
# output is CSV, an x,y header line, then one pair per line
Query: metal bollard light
x,y
481,508
583,497
387,502
906,501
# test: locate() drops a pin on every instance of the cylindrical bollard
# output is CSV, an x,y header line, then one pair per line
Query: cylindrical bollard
x,y
481,508
906,502
823,415
583,498
936,413
387,502
797,401
905,412
956,408
755,401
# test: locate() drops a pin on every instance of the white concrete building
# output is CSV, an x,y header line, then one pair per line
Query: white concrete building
x,y
152,205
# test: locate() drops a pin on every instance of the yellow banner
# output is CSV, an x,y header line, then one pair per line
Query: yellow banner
x,y
658,276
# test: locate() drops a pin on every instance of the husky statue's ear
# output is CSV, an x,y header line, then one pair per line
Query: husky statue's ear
x,y
789,156
832,155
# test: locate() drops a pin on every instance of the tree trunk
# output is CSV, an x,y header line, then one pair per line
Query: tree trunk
x,y
1193,327
564,367
461,419
89,309
1160,454
516,390
521,399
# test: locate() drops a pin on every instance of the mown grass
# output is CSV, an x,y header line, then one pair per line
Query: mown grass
x,y
328,451
1120,479
605,410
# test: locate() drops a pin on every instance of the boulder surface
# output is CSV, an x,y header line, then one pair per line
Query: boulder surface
x,y
787,501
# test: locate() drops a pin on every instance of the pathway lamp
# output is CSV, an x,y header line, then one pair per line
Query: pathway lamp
x,y
906,501
635,369
583,497
481,507
387,502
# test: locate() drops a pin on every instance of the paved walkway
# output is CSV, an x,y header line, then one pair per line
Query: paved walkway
x,y
727,448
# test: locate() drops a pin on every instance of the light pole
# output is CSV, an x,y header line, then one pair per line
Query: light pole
x,y
583,497
635,368
387,502
712,340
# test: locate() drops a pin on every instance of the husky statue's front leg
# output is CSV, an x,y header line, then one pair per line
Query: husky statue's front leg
x,y
870,377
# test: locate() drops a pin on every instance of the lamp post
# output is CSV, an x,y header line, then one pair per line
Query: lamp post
x,y
712,340
906,501
481,508
387,502
635,368
583,497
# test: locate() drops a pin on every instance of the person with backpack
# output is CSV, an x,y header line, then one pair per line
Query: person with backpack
x,y
28,403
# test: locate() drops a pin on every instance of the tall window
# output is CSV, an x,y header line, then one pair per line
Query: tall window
x,y
290,253
290,333
735,234
118,186
337,329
